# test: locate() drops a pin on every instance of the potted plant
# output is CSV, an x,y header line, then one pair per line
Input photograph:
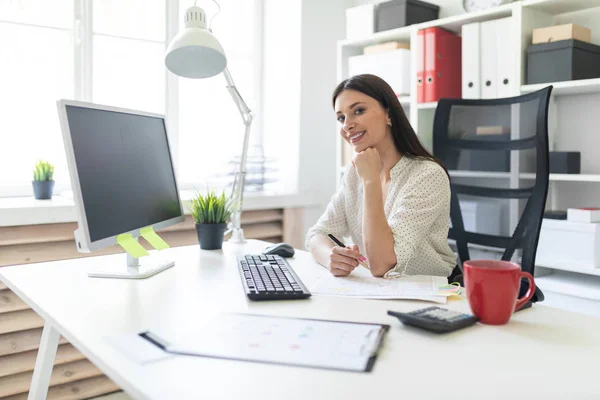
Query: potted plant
x,y
211,214
43,185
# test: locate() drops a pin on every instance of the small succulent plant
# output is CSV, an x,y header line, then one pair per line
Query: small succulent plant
x,y
44,171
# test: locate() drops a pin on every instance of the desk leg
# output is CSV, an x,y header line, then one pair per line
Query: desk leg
x,y
44,363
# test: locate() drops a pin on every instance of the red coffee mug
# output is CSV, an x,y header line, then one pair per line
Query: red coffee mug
x,y
492,288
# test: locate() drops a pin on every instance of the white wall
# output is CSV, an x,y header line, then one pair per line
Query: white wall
x,y
323,24
281,86
299,76
447,7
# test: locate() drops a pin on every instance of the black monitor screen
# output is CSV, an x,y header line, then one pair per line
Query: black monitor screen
x,y
125,170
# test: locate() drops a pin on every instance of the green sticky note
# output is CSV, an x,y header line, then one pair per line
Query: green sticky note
x,y
156,241
131,245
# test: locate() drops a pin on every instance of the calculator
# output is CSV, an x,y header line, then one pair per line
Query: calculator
x,y
435,319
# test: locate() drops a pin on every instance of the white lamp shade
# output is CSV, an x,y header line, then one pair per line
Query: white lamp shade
x,y
195,52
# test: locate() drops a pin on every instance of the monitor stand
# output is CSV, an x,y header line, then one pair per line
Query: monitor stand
x,y
135,269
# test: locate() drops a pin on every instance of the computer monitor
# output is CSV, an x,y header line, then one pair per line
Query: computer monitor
x,y
122,178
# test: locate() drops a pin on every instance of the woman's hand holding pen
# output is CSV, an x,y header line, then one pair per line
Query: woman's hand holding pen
x,y
368,165
343,260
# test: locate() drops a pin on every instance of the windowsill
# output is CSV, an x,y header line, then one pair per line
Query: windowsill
x,y
17,211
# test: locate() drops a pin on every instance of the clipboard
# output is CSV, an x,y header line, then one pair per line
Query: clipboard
x,y
303,342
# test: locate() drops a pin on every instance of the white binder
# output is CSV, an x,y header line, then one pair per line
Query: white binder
x,y
489,60
471,61
504,58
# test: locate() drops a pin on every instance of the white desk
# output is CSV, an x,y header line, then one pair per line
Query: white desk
x,y
542,353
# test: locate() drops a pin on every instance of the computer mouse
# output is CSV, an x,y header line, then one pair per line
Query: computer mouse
x,y
280,249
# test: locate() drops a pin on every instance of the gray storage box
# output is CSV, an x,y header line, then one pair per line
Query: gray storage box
x,y
565,162
564,60
399,13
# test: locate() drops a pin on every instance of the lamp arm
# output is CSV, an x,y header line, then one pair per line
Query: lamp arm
x,y
237,190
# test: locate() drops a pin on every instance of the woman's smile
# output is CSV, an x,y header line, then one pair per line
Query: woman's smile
x,y
356,137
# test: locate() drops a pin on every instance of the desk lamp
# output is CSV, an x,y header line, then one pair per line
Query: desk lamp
x,y
196,53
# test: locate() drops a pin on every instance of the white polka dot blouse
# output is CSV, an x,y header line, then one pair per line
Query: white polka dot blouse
x,y
417,209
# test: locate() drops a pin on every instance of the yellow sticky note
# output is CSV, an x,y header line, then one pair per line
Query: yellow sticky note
x,y
131,245
156,241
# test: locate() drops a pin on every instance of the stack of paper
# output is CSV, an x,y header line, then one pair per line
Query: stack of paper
x,y
361,284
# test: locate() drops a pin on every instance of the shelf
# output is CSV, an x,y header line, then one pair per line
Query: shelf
x,y
565,177
556,7
427,106
568,267
404,100
398,34
479,174
455,22
581,86
479,247
577,285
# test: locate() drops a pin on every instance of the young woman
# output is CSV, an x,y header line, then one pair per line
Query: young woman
x,y
395,198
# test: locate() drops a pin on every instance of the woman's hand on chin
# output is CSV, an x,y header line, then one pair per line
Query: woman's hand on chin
x,y
368,165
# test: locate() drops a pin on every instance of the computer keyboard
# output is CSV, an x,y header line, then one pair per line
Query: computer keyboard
x,y
270,277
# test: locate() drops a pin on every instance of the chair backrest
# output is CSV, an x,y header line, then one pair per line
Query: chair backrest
x,y
480,134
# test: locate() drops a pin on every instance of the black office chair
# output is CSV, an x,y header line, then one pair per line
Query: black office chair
x,y
476,135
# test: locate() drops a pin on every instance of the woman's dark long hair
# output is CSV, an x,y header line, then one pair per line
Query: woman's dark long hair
x,y
405,138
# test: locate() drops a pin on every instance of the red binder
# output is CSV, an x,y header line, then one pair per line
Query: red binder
x,y
420,54
442,64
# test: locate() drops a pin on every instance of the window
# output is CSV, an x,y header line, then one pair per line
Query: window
x,y
129,45
37,68
211,130
112,52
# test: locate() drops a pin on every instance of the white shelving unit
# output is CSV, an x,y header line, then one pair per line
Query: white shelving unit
x,y
582,86
427,106
570,268
405,100
526,15
566,177
479,174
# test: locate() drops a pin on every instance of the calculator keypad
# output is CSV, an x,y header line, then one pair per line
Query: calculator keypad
x,y
441,314
435,319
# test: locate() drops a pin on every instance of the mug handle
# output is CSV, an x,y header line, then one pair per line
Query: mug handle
x,y
530,291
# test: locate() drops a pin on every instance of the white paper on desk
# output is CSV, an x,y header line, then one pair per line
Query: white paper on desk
x,y
361,284
138,349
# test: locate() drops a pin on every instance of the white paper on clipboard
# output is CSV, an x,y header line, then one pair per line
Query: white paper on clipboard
x,y
279,340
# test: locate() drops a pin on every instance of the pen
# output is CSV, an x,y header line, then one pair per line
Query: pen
x,y
339,243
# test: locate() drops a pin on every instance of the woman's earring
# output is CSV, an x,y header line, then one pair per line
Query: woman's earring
x,y
390,123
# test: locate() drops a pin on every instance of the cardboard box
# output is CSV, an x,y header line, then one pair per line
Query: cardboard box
x,y
561,32
383,47
491,130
